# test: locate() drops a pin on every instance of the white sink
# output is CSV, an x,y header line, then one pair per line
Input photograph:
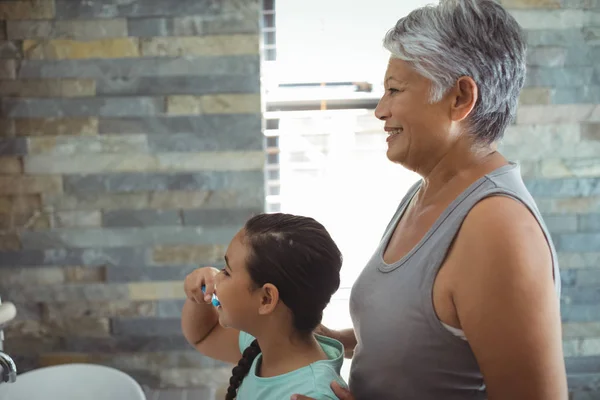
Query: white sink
x,y
8,312
73,382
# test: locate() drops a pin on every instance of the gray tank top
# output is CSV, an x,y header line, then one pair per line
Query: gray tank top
x,y
404,351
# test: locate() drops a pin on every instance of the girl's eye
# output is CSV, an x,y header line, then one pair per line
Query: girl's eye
x,y
225,272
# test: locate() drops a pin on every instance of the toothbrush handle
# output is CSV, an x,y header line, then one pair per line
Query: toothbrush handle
x,y
215,302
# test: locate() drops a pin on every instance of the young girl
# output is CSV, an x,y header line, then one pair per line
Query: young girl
x,y
281,271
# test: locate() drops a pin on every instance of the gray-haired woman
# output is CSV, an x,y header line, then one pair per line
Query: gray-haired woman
x,y
461,298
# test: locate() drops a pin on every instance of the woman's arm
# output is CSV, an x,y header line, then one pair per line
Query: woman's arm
x,y
506,302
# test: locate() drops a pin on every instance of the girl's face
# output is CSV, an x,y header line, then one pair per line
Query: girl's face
x,y
240,299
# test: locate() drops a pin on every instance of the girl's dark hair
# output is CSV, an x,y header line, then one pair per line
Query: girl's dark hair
x,y
298,256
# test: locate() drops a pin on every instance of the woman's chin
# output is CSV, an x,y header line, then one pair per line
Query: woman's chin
x,y
394,155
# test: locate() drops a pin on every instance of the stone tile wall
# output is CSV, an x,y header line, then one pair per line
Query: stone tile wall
x,y
556,137
131,151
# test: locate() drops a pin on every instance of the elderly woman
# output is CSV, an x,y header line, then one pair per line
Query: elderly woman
x,y
461,298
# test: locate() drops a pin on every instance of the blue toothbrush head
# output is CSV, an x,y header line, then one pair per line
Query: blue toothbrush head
x,y
215,301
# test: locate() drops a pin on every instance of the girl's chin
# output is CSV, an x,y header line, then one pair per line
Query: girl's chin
x,y
222,319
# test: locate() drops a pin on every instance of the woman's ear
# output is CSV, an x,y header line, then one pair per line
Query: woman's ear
x,y
269,299
464,97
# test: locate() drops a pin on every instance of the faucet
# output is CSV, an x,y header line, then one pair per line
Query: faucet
x,y
8,369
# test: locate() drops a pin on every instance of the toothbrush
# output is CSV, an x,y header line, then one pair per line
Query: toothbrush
x,y
215,300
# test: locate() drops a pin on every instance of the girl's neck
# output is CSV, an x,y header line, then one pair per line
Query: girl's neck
x,y
283,353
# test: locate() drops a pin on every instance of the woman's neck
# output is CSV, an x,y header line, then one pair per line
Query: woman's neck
x,y
283,353
461,163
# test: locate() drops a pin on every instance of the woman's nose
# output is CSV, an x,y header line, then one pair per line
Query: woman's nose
x,y
382,110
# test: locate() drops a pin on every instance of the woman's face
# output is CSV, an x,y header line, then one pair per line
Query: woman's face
x,y
418,131
235,290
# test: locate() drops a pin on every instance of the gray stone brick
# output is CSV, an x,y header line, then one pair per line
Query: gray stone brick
x,y
69,9
82,107
195,25
135,182
29,342
77,146
568,277
582,55
593,54
150,27
246,65
171,394
146,326
169,308
65,293
581,4
248,23
555,37
11,49
99,309
589,166
583,94
33,276
248,140
588,277
579,260
229,217
12,259
148,380
200,393
546,56
568,187
92,201
584,386
592,35
558,56
215,377
587,394
8,69
82,30
140,218
163,273
189,359
181,134
580,365
87,237
27,310
201,125
589,223
172,85
13,147
558,223
125,344
7,127
581,313
3,30
86,257
578,241
559,77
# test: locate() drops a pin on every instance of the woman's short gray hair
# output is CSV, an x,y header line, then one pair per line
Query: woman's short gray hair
x,y
476,38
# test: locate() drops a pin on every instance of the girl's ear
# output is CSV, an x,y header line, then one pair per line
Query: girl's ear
x,y
269,299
